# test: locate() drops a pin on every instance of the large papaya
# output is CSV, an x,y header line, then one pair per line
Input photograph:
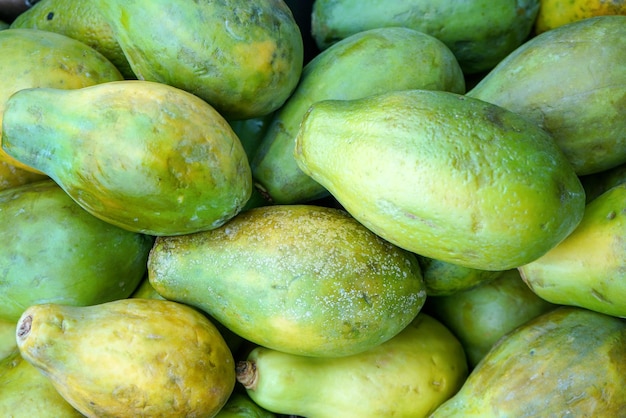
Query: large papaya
x,y
144,156
37,58
446,176
571,81
387,59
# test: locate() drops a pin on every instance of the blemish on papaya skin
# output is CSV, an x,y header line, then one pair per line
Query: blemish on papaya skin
x,y
50,16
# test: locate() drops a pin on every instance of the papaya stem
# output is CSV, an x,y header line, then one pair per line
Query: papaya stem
x,y
247,374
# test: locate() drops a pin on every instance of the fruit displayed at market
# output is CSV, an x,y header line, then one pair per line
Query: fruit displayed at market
x,y
571,82
54,251
588,268
443,175
388,59
566,361
302,279
409,375
312,208
479,32
144,156
130,357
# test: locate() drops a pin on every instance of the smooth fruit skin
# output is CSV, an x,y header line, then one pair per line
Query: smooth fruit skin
x,y
55,251
479,32
570,81
588,268
555,13
243,57
302,279
7,338
37,58
129,358
386,59
25,392
408,376
140,155
443,175
566,362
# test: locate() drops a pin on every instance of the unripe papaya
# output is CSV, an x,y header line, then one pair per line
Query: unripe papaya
x,y
304,279
386,59
54,251
36,58
570,81
445,176
442,278
144,156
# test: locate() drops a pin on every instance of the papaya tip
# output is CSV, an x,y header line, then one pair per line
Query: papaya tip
x,y
24,326
247,374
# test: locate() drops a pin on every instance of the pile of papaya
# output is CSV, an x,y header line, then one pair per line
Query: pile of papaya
x,y
316,209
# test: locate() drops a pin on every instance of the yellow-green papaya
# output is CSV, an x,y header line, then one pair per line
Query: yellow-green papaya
x,y
13,176
131,357
588,268
37,58
479,32
442,278
25,392
304,279
243,57
445,176
144,156
566,362
7,338
55,251
407,376
570,81
386,59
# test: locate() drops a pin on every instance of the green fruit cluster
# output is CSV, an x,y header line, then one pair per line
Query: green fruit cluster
x,y
315,209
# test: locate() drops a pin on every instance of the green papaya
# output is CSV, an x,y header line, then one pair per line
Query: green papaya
x,y
588,268
54,251
442,278
303,279
571,81
243,57
407,376
566,362
130,357
36,58
144,156
387,59
79,20
481,315
240,405
443,175
479,32
7,338
25,392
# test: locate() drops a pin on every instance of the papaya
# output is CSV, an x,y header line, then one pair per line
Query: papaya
x,y
79,20
387,59
13,176
443,175
568,361
570,81
481,315
242,57
144,156
407,376
588,268
555,13
480,33
239,405
303,279
25,392
442,278
54,251
36,58
130,357
7,338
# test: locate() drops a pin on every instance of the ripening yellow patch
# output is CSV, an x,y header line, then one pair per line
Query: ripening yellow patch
x,y
555,13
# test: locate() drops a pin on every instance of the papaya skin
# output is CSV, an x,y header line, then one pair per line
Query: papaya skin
x,y
37,58
555,13
568,359
130,357
445,176
13,176
303,279
242,57
587,269
144,156
570,81
387,58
